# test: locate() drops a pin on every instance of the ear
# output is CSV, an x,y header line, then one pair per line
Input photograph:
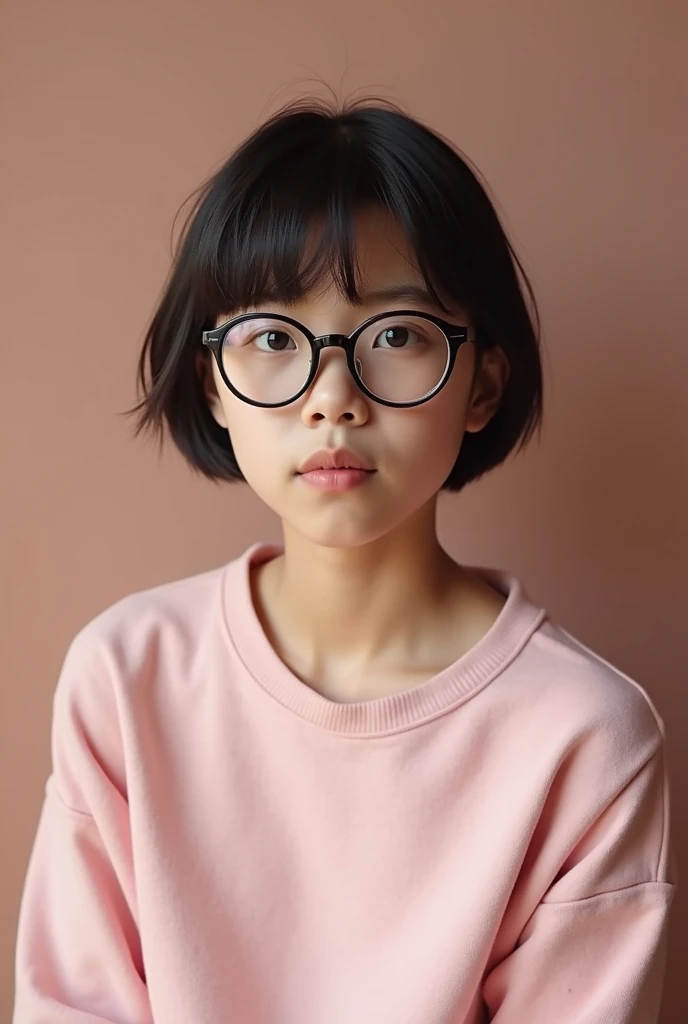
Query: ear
x,y
205,368
488,389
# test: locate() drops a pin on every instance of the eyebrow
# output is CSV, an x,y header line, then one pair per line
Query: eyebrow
x,y
411,292
402,292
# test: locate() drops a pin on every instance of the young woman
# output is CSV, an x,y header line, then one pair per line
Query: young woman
x,y
345,780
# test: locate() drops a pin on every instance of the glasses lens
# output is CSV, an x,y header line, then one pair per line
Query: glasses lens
x,y
402,358
266,359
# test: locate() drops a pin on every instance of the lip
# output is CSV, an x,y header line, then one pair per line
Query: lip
x,y
333,459
336,479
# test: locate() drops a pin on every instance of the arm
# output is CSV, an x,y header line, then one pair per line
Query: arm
x,y
78,958
593,952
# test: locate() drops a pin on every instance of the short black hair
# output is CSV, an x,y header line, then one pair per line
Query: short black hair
x,y
244,241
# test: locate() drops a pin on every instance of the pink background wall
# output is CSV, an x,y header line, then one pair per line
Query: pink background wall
x,y
114,112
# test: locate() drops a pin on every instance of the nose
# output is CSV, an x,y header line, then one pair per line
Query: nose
x,y
334,395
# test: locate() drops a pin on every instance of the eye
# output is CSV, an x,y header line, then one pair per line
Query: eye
x,y
396,337
274,341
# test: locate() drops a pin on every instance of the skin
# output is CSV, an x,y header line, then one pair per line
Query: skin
x,y
337,605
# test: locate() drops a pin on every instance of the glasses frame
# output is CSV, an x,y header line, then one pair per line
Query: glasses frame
x,y
455,335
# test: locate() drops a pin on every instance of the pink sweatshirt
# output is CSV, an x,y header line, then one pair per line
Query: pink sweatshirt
x,y
220,844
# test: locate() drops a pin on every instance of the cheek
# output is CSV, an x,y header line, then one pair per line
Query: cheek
x,y
258,442
429,436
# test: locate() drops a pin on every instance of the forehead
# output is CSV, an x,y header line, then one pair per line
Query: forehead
x,y
386,266
383,252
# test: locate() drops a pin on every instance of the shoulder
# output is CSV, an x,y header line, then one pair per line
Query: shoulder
x,y
554,683
593,680
139,632
119,674
173,606
587,704
603,741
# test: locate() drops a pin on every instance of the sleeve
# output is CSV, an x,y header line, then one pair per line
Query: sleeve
x,y
78,952
594,949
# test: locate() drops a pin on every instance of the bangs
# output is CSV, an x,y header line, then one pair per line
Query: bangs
x,y
279,227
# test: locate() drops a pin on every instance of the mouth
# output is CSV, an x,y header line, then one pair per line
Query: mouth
x,y
330,460
341,478
334,469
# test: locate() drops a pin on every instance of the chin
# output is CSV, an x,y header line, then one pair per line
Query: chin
x,y
338,537
343,529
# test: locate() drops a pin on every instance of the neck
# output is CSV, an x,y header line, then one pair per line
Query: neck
x,y
336,613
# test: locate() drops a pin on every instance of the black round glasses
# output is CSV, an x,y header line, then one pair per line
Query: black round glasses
x,y
401,358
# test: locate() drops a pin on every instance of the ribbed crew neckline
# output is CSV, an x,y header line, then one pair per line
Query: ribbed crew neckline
x,y
515,624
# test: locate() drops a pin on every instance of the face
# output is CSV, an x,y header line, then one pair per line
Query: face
x,y
411,450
